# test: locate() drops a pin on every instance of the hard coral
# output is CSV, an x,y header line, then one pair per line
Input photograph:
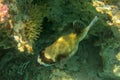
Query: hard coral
x,y
3,11
27,24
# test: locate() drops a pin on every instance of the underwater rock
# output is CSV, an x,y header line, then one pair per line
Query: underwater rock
x,y
111,60
113,11
116,25
60,75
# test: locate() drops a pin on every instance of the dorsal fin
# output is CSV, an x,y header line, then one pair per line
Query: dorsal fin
x,y
78,26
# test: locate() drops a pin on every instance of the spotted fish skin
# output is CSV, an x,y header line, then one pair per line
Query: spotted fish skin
x,y
64,47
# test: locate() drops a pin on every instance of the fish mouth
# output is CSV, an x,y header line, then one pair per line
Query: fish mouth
x,y
45,61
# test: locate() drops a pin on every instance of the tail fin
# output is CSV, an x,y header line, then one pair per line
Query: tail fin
x,y
93,22
83,34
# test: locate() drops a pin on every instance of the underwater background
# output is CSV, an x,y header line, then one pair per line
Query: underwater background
x,y
28,27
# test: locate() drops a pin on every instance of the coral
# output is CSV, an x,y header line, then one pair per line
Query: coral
x,y
109,50
115,2
110,47
6,39
116,70
113,11
32,32
26,20
3,11
25,23
60,75
33,26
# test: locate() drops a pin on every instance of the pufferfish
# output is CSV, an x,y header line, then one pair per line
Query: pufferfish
x,y
65,46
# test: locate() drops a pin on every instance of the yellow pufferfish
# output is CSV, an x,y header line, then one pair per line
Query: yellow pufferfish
x,y
64,47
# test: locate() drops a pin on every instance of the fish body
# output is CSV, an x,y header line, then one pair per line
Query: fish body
x,y
64,47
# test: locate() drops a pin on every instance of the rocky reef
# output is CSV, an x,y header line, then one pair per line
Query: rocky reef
x,y
29,26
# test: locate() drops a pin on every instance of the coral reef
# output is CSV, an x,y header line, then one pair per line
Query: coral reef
x,y
110,48
113,11
109,51
24,26
36,13
3,11
29,26
6,40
